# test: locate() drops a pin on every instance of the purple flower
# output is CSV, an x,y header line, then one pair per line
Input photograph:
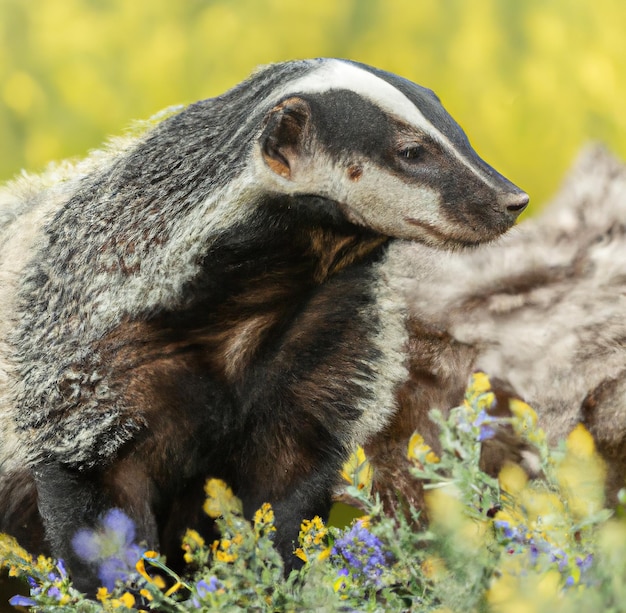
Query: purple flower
x,y
363,554
110,546
560,557
584,563
55,592
533,553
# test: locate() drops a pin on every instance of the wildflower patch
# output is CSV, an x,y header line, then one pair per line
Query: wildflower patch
x,y
502,544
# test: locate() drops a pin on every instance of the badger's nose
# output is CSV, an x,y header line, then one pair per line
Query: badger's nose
x,y
514,202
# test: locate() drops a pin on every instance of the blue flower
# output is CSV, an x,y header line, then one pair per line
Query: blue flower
x,y
584,563
484,421
21,601
364,554
34,586
203,589
509,532
62,570
110,547
55,592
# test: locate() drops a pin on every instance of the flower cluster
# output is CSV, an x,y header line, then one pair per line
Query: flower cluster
x,y
48,581
479,401
313,540
361,554
547,528
54,591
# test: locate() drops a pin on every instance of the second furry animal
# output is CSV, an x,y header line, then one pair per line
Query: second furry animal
x,y
213,299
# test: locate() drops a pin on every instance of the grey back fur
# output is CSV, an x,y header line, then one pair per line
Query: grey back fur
x,y
47,223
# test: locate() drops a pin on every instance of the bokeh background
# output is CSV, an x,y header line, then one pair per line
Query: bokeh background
x,y
530,80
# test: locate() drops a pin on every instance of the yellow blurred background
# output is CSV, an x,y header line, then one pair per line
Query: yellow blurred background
x,y
530,80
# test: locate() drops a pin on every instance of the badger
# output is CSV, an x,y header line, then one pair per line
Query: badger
x,y
212,298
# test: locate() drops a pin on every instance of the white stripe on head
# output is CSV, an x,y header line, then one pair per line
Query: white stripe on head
x,y
338,74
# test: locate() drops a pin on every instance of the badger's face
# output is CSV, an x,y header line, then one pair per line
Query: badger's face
x,y
388,153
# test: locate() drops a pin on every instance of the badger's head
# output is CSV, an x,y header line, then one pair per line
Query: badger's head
x,y
387,152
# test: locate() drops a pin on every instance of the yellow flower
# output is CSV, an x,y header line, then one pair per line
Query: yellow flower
x,y
192,542
10,550
324,554
357,470
312,529
513,479
479,383
517,590
125,600
433,568
502,591
525,422
312,539
141,569
224,556
102,594
580,442
478,395
445,510
44,564
511,516
146,594
581,474
264,518
223,550
194,537
220,499
419,451
524,412
340,583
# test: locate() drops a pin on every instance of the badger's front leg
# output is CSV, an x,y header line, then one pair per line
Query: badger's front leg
x,y
326,383
70,500
299,487
67,499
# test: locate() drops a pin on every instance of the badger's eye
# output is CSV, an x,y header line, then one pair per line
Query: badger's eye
x,y
411,153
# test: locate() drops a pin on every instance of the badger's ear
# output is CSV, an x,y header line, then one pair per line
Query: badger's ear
x,y
284,135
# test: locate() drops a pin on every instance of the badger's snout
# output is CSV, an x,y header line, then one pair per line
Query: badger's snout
x,y
513,202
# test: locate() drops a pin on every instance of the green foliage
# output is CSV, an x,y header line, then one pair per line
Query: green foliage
x,y
530,81
509,545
